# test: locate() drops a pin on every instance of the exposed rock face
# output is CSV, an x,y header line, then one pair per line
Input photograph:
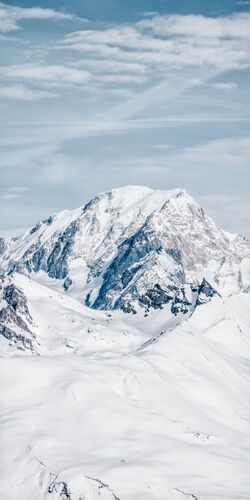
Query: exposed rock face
x,y
15,319
134,247
205,293
86,487
2,246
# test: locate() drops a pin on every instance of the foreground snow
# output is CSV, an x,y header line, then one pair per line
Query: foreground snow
x,y
124,407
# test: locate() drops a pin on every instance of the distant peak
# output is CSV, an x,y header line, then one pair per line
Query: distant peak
x,y
125,197
133,187
128,190
138,190
182,192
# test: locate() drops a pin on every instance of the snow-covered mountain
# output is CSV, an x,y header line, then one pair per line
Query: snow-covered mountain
x,y
117,406
99,403
133,247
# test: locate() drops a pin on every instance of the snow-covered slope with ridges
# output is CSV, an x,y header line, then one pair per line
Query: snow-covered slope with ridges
x,y
116,407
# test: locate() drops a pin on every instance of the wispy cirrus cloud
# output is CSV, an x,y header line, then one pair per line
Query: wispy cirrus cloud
x,y
11,16
17,189
243,2
13,192
159,50
9,196
171,41
234,211
50,73
224,85
223,27
111,66
33,82
123,56
21,92
33,79
218,154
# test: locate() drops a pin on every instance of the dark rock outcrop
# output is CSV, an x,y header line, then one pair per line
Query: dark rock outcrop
x,y
15,318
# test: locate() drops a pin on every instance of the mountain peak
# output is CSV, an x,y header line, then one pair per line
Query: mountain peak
x,y
139,190
122,244
134,192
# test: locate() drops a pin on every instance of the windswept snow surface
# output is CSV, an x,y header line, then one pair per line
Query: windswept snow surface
x,y
125,407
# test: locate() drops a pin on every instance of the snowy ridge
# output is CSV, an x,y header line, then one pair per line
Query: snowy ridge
x,y
120,406
125,242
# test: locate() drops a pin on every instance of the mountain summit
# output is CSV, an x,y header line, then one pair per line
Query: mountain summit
x,y
133,247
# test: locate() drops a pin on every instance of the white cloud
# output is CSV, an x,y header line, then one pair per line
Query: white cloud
x,y
213,157
32,82
175,41
121,78
11,17
121,36
163,147
9,196
233,26
149,13
54,73
27,155
224,85
23,93
17,189
221,153
233,214
112,66
131,55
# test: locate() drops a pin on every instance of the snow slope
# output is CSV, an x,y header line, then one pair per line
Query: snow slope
x,y
122,407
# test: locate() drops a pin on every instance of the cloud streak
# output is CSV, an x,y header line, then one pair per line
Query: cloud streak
x,y
141,53
171,41
21,92
224,85
54,73
11,17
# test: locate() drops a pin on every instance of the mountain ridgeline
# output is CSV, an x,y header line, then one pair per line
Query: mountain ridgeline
x,y
133,248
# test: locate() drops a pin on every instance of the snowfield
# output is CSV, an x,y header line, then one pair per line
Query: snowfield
x,y
125,354
108,410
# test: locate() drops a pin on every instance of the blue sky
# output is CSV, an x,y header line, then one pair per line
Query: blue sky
x,y
102,93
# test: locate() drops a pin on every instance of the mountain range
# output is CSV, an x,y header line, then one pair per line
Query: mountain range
x,y
124,332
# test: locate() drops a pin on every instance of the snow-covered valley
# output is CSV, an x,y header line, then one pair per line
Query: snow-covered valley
x,y
131,383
